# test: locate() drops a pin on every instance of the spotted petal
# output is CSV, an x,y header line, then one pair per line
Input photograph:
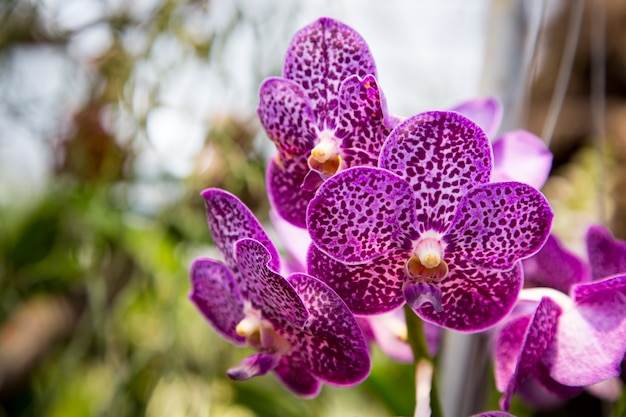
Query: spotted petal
x,y
442,155
486,112
594,330
554,267
266,290
286,114
519,346
498,224
371,288
215,294
284,179
230,220
521,156
474,299
493,414
362,116
331,344
320,56
362,213
293,372
607,255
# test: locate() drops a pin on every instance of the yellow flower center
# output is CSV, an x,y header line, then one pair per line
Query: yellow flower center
x,y
325,156
426,263
260,333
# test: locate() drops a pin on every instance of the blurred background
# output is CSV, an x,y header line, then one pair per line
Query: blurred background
x,y
115,114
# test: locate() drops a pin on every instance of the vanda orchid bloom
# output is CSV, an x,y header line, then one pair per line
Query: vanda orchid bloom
x,y
566,337
300,328
326,113
427,228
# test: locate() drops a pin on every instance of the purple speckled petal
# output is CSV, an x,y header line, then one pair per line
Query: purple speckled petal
x,y
595,329
331,343
357,157
521,156
418,294
287,116
520,345
254,365
362,213
215,294
362,114
266,290
607,255
320,56
284,179
293,372
371,288
493,414
474,299
498,224
442,155
554,267
230,220
486,112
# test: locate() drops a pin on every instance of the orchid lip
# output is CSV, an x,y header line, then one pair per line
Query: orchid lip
x,y
426,263
260,333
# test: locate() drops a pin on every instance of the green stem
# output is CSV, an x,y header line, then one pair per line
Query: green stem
x,y
417,341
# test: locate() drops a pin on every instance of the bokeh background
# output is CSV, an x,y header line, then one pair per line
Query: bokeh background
x,y
115,114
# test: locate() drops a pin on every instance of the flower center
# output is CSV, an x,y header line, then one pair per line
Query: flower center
x,y
260,333
426,263
325,156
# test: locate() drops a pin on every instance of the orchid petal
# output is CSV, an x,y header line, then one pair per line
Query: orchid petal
x,y
371,288
486,112
362,213
215,294
266,290
230,220
474,299
320,56
293,372
521,156
418,294
554,267
498,224
285,113
442,155
607,255
284,179
331,343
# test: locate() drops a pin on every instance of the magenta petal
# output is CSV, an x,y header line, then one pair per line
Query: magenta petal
x,y
442,155
607,255
215,294
486,112
254,365
362,114
286,115
293,372
595,329
499,224
554,267
493,414
418,294
266,290
474,299
320,56
284,188
230,220
331,343
521,156
371,288
362,213
390,333
520,345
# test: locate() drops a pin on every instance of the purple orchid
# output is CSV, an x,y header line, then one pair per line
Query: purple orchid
x,y
427,228
325,114
299,327
518,155
566,342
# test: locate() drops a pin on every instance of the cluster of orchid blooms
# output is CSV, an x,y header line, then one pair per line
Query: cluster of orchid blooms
x,y
377,212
